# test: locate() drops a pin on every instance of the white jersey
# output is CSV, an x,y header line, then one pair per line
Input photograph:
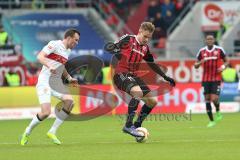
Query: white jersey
x,y
57,56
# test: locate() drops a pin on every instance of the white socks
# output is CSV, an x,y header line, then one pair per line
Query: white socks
x,y
59,120
35,121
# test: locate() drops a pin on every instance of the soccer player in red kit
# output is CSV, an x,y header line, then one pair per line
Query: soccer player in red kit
x,y
132,50
214,61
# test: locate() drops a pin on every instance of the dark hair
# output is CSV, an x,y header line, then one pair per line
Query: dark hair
x,y
70,32
209,34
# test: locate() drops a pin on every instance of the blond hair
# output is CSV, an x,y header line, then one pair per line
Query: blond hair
x,y
147,26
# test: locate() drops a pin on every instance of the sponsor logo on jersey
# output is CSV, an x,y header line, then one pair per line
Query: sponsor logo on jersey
x,y
215,53
139,52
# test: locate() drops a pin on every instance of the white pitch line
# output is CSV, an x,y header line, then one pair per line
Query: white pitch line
x,y
7,143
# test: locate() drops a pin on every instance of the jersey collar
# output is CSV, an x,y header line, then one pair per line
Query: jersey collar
x,y
136,39
61,42
213,48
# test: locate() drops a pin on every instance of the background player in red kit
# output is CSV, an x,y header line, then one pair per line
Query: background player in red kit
x,y
211,57
133,49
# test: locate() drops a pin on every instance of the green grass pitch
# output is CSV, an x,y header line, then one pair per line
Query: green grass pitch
x,y
101,138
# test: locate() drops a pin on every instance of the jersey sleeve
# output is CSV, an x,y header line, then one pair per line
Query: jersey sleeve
x,y
123,42
199,55
222,53
148,57
49,48
124,38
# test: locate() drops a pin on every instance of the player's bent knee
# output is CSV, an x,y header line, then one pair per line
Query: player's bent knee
x,y
151,102
68,105
216,100
71,106
68,102
45,110
136,92
44,114
137,95
207,99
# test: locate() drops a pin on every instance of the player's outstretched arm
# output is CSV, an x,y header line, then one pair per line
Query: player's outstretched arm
x,y
150,61
159,71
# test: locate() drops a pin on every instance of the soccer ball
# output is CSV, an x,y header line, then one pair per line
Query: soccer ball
x,y
144,132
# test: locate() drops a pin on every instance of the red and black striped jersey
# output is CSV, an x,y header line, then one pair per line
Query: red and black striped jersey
x,y
132,54
214,59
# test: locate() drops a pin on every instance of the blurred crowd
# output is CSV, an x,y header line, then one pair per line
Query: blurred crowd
x,y
161,13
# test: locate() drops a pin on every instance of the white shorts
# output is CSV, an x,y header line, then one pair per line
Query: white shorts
x,y
45,92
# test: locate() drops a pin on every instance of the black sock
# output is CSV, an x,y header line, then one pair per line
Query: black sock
x,y
132,107
209,111
38,117
64,110
143,114
217,104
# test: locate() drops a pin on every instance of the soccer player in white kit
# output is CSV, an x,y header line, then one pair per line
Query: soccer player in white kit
x,y
53,57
